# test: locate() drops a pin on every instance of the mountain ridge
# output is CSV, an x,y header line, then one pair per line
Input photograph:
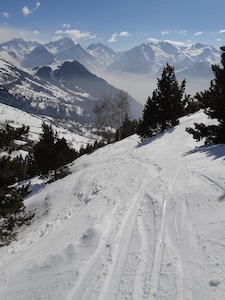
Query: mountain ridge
x,y
134,71
101,56
59,92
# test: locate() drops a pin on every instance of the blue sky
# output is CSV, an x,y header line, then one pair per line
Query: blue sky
x,y
118,24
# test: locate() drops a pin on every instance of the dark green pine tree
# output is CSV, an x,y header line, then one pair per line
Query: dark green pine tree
x,y
12,171
51,153
44,150
166,105
63,154
213,103
9,133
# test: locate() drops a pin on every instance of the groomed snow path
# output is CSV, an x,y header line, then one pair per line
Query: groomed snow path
x,y
133,221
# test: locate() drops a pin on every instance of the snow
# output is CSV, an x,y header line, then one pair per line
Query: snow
x,y
132,221
17,118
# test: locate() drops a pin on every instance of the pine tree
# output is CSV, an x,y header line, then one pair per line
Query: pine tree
x,y
12,171
213,103
51,152
166,105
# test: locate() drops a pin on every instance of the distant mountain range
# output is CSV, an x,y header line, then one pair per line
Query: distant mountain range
x,y
57,78
147,58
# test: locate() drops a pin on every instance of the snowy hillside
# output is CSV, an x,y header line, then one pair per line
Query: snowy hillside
x,y
75,135
133,221
68,91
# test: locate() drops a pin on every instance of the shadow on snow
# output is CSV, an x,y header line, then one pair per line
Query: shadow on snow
x,y
216,151
152,139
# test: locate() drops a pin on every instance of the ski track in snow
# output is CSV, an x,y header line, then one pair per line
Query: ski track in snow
x,y
130,223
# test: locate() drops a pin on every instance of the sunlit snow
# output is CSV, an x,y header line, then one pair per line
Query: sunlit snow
x,y
133,221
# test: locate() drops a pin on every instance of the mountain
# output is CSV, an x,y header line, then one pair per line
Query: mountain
x,y
135,70
79,53
132,221
59,45
150,58
147,58
103,54
67,91
15,50
140,59
39,56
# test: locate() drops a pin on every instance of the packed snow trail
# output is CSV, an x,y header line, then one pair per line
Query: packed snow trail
x,y
134,220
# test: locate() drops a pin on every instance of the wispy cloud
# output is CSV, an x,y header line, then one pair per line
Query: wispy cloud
x,y
177,43
74,34
6,15
198,33
181,32
66,25
124,34
26,11
113,38
222,31
164,32
153,40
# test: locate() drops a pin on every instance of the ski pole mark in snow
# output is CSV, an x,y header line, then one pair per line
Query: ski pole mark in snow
x,y
158,252
119,251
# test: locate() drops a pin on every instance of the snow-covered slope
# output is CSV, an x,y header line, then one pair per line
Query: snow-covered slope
x,y
77,136
133,221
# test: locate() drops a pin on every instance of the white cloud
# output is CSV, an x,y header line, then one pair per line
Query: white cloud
x,y
198,33
66,25
176,43
6,14
222,31
74,34
121,34
124,34
152,40
181,32
113,38
26,11
36,32
164,32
